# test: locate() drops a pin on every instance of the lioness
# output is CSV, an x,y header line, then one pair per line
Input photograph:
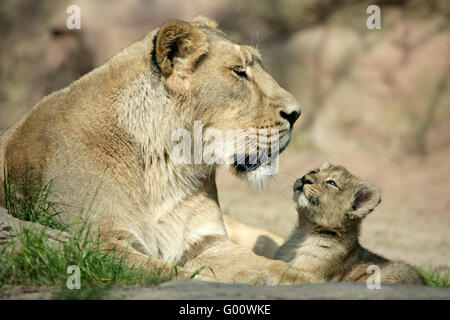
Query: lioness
x,y
107,142
331,203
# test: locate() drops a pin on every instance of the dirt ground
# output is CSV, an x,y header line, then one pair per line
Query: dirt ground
x,y
412,223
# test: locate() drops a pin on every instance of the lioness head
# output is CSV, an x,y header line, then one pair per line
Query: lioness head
x,y
332,198
225,86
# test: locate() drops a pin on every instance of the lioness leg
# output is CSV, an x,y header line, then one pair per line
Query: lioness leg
x,y
140,261
228,262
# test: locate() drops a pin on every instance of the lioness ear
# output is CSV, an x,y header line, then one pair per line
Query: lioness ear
x,y
366,198
201,20
178,48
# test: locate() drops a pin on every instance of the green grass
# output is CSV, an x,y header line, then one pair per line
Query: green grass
x,y
29,202
434,278
38,263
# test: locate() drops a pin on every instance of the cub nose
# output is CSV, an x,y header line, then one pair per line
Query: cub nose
x,y
291,116
298,185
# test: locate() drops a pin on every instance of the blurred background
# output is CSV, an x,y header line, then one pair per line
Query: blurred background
x,y
375,101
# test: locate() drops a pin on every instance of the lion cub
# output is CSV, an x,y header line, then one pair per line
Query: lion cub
x,y
331,204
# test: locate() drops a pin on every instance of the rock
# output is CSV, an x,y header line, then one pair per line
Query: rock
x,y
10,227
193,289
200,290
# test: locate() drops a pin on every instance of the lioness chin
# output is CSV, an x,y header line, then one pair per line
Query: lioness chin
x,y
106,141
331,203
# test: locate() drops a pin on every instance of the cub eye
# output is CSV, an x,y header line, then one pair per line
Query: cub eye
x,y
240,72
332,183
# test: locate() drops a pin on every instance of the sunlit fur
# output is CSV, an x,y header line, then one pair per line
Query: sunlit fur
x,y
325,243
106,142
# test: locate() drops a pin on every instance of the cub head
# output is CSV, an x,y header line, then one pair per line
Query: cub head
x,y
225,87
334,199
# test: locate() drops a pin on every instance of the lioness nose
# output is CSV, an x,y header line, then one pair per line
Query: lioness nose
x,y
291,115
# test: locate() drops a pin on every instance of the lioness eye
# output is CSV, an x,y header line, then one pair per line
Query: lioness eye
x,y
332,183
240,71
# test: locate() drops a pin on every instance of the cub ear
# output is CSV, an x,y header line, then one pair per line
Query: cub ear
x,y
326,165
366,198
179,46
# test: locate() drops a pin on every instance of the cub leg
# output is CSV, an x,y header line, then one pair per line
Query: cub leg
x,y
400,272
390,272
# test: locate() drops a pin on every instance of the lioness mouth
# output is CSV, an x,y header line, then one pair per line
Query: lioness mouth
x,y
248,163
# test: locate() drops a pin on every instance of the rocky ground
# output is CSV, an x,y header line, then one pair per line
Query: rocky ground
x,y
199,290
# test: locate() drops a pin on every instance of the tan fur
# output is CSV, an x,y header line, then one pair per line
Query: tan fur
x,y
262,242
324,245
106,141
